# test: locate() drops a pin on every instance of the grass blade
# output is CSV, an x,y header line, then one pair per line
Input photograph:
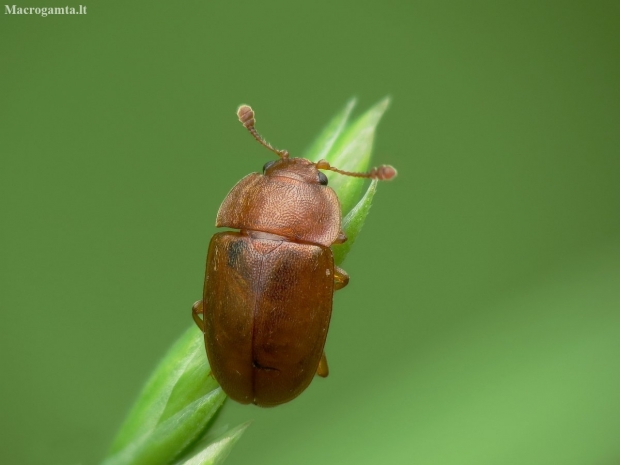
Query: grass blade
x,y
215,452
351,152
171,436
323,144
154,398
353,222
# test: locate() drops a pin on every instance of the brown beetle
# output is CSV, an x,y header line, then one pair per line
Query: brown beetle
x,y
268,288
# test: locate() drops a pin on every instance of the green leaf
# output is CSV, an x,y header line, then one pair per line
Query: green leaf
x,y
195,382
323,144
213,452
352,152
353,222
155,396
171,436
348,146
173,408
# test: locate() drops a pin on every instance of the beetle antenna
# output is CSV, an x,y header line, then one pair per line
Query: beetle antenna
x,y
246,116
382,173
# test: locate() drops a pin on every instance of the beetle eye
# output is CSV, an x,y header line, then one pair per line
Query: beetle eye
x,y
322,179
267,165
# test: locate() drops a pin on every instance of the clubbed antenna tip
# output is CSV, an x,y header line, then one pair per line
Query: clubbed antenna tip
x,y
246,117
384,172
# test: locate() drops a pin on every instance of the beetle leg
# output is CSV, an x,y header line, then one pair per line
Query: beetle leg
x,y
323,369
196,315
341,278
342,238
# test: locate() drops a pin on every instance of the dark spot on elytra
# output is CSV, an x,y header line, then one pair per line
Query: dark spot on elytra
x,y
235,250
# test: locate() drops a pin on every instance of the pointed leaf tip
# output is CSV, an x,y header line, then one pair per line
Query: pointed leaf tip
x,y
172,436
324,143
215,452
352,152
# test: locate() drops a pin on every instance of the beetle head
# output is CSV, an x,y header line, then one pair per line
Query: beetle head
x,y
298,169
301,169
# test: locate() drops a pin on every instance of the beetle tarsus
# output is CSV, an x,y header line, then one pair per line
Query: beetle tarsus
x,y
196,313
323,368
341,239
341,278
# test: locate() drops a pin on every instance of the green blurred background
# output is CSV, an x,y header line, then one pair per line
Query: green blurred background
x,y
482,322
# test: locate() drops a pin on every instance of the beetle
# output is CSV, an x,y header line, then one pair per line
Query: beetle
x,y
268,287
